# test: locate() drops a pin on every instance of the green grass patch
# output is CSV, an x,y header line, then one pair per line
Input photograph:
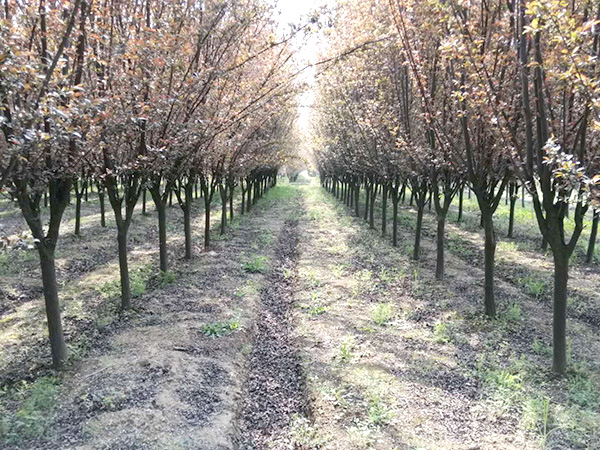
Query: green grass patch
x,y
256,264
218,329
33,416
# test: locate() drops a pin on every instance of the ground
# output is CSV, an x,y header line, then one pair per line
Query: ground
x,y
300,328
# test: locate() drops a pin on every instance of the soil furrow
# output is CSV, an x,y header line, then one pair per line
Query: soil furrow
x,y
276,389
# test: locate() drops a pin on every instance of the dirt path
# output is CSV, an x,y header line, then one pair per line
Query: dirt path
x,y
276,390
173,374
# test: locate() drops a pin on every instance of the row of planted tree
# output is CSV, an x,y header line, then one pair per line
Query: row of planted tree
x,y
494,95
138,97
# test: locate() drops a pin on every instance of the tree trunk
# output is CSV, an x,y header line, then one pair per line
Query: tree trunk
x,y
162,235
207,220
416,250
441,228
187,228
144,201
223,193
511,215
78,198
395,199
489,258
460,204
102,208
384,209
372,206
593,234
367,200
561,278
55,331
356,202
124,267
231,190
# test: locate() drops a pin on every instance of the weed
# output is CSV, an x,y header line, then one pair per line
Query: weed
x,y
382,313
165,278
379,413
582,390
256,264
218,329
513,313
541,348
534,287
536,416
317,310
37,403
305,435
441,333
345,354
250,288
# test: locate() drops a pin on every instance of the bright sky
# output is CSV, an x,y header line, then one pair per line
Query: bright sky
x,y
296,11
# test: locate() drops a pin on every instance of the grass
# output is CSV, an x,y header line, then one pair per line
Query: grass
x,y
218,329
31,419
256,264
382,314
138,280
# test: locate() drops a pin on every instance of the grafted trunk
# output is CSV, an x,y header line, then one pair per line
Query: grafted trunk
x,y
102,207
223,193
124,267
368,188
561,278
372,206
489,259
187,229
144,201
461,193
160,202
384,209
161,207
395,200
207,202
419,226
55,331
441,229
593,235
511,215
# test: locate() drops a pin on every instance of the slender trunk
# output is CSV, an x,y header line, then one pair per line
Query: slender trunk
x,y
162,235
544,244
144,201
123,267
593,235
511,215
207,202
55,331
356,197
223,193
395,199
460,204
187,227
417,248
171,198
561,278
441,229
372,206
367,199
243,201
384,209
489,258
231,189
102,208
78,198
